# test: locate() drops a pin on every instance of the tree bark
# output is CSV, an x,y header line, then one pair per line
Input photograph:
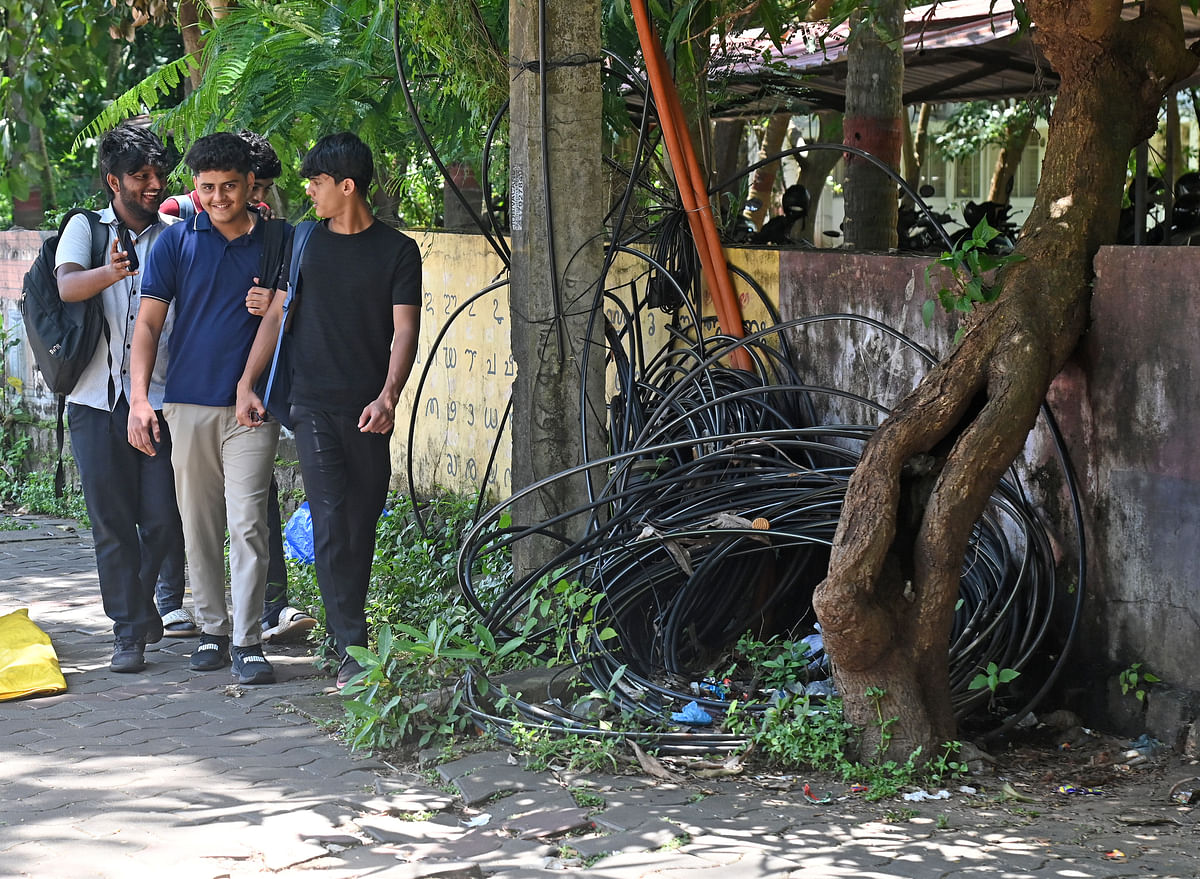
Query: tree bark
x,y
816,167
874,122
916,143
762,185
1016,139
887,603
729,138
193,43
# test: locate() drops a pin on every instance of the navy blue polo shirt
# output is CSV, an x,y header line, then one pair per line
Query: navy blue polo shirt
x,y
207,278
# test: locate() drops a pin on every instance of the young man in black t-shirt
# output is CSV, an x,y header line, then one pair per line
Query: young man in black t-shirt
x,y
354,327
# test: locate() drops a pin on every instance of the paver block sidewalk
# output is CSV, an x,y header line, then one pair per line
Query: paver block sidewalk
x,y
176,775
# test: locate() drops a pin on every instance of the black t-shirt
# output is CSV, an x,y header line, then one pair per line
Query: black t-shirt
x,y
342,322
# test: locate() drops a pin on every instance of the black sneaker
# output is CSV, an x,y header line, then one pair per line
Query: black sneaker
x,y
154,630
251,667
347,671
211,654
128,656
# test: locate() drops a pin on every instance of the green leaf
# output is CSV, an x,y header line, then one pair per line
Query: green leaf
x,y
510,646
979,682
929,308
1008,674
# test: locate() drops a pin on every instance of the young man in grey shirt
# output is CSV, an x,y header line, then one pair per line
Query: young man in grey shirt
x,y
130,497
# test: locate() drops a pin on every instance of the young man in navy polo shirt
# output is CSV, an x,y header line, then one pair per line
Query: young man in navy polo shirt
x,y
354,337
222,470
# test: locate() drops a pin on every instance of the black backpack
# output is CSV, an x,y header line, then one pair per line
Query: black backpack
x,y
62,335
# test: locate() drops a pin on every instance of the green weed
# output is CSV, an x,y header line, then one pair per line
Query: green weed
x,y
1135,679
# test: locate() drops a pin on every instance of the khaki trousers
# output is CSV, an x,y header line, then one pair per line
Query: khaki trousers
x,y
222,478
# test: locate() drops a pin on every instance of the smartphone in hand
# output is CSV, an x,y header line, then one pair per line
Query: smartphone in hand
x,y
130,251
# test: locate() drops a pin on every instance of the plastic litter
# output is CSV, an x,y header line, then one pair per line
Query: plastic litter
x,y
1071,789
820,688
1144,745
298,536
710,689
693,714
1115,855
812,798
859,788
1186,791
477,821
922,795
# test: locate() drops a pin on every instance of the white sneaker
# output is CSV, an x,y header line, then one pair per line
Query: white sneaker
x,y
293,625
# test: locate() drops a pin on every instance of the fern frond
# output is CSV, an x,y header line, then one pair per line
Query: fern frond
x,y
142,98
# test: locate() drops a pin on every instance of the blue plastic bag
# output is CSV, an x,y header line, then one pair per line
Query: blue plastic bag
x,y
692,713
298,536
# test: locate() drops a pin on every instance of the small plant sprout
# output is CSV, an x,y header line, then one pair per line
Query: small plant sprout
x,y
1134,680
992,677
967,263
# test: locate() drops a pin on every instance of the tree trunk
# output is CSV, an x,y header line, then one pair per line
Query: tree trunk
x,y
816,167
193,43
874,122
1016,139
916,142
762,186
729,140
887,603
1173,158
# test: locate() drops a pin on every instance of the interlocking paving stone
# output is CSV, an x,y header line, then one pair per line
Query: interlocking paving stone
x,y
465,766
542,823
654,834
385,828
490,781
487,849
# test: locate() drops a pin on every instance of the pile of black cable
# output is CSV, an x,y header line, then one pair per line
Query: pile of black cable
x,y
720,504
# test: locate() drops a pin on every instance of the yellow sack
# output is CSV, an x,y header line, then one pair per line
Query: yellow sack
x,y
28,663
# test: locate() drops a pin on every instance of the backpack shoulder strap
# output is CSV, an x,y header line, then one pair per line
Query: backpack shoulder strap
x,y
270,266
99,234
300,238
99,239
99,247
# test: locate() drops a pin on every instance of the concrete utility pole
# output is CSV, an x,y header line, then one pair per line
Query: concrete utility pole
x,y
557,200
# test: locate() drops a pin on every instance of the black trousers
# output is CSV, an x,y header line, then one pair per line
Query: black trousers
x,y
130,499
346,475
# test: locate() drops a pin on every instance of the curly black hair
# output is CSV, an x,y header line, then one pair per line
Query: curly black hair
x,y
129,148
264,161
220,152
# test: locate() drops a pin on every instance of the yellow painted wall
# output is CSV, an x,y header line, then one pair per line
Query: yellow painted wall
x,y
470,371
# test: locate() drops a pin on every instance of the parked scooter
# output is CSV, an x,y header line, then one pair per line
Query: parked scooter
x,y
1184,227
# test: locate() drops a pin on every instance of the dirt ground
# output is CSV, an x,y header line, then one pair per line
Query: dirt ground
x,y
1081,798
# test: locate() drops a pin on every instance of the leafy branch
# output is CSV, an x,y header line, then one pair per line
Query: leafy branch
x,y
968,264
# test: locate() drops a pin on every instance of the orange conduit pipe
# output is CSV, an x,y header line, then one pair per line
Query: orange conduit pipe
x,y
692,189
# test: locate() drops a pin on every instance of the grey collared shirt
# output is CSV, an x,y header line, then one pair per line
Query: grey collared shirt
x,y
120,302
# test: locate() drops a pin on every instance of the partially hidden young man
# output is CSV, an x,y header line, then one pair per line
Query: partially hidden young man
x,y
205,266
354,326
130,497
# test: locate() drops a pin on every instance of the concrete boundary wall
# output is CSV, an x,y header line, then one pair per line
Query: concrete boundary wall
x,y
1127,405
